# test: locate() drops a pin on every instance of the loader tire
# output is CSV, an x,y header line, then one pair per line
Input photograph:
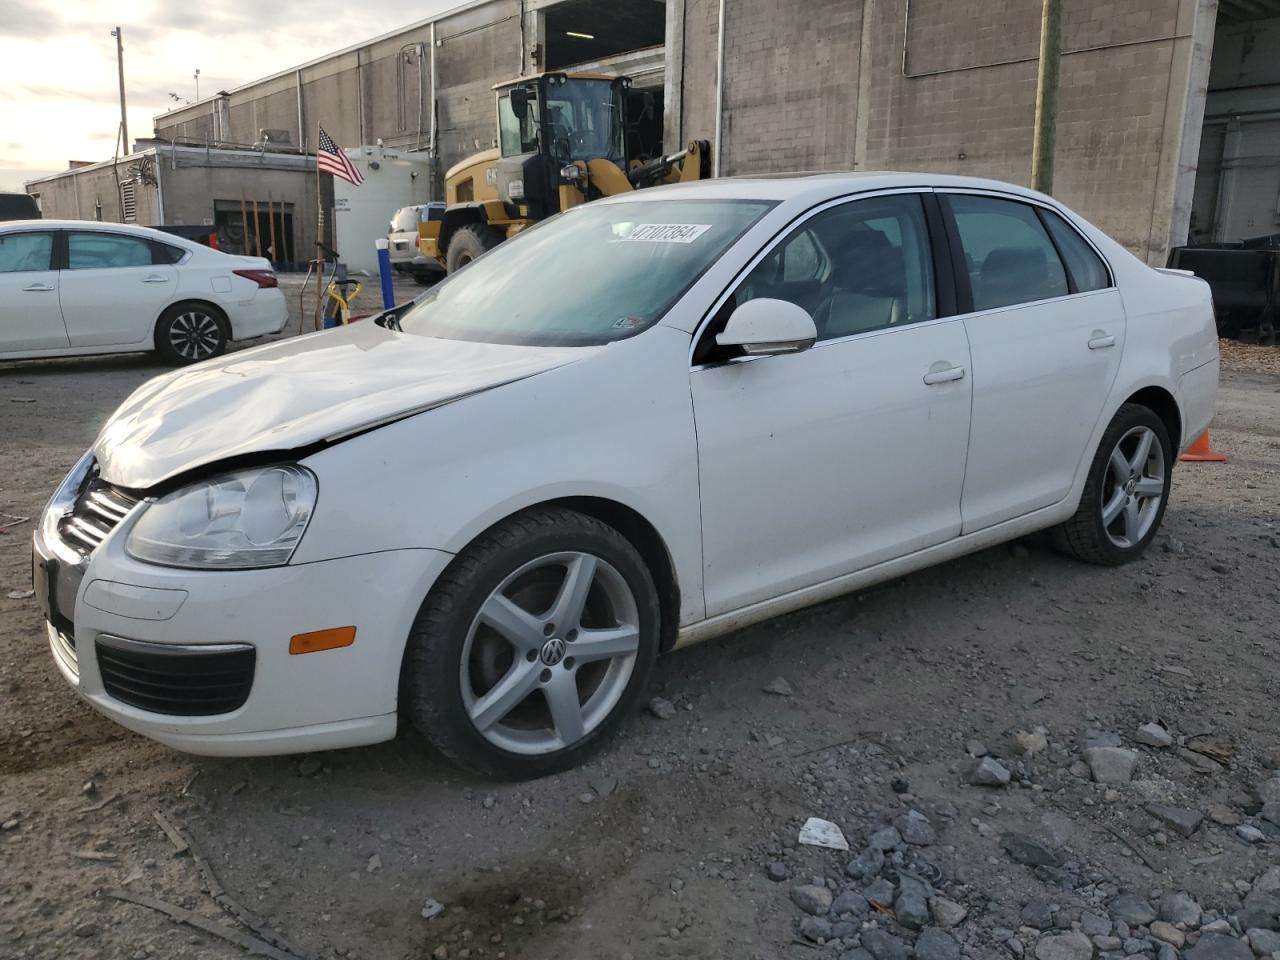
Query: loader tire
x,y
469,243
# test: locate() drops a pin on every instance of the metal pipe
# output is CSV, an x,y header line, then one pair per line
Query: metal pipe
x,y
433,145
422,53
1042,148
302,135
715,160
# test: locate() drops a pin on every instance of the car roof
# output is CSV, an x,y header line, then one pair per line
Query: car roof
x,y
814,187
103,226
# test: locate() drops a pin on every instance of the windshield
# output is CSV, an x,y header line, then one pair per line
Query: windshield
x,y
592,275
584,120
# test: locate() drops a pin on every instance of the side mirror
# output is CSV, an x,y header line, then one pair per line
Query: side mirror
x,y
520,102
766,327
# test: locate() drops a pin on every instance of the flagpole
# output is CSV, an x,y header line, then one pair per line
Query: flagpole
x,y
315,318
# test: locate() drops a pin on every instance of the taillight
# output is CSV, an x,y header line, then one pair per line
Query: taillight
x,y
263,278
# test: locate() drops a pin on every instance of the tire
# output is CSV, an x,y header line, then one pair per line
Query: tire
x,y
1114,488
468,243
190,332
523,575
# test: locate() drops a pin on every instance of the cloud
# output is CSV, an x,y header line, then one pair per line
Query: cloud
x,y
22,18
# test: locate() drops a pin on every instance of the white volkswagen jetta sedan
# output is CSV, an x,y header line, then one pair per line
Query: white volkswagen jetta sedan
x,y
73,287
651,420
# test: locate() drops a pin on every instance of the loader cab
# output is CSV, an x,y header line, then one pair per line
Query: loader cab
x,y
547,123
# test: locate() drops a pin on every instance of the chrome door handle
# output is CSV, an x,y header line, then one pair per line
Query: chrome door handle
x,y
1100,341
946,375
154,279
38,288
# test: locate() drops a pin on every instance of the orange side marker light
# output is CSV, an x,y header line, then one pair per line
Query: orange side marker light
x,y
316,640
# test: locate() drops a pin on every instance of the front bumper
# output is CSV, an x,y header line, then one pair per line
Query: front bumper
x,y
315,701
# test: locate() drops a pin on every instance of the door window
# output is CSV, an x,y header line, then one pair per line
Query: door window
x,y
25,252
1009,256
864,265
92,251
1088,272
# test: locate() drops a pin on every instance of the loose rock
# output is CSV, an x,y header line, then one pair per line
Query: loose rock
x,y
1264,942
1162,930
1153,735
935,944
1178,907
1111,764
662,709
883,946
1133,910
815,929
947,913
885,839
1023,742
776,871
866,864
1065,946
1179,818
1214,946
779,687
915,829
1030,852
989,772
912,904
811,898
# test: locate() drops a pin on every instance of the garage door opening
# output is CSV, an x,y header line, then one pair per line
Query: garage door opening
x,y
583,31
1237,188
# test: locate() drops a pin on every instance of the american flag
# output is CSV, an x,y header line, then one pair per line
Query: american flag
x,y
332,159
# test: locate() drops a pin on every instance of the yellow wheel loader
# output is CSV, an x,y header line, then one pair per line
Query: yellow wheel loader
x,y
562,142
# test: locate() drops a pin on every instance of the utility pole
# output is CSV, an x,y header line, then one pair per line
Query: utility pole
x,y
1042,149
124,119
197,84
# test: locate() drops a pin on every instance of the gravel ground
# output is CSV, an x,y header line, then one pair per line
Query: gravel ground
x,y
1014,667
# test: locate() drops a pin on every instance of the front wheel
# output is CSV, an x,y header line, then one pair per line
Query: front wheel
x,y
533,645
1126,493
469,243
190,332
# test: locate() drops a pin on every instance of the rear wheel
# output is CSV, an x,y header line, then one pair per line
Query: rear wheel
x,y
533,645
1126,493
470,242
190,332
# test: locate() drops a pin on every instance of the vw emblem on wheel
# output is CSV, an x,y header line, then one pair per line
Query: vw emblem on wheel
x,y
553,651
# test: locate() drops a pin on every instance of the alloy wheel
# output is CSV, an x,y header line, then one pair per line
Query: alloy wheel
x,y
1133,487
195,335
550,653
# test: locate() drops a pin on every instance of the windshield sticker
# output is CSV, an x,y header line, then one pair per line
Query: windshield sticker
x,y
667,232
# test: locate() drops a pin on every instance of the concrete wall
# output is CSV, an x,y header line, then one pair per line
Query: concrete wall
x,y
380,90
841,85
89,193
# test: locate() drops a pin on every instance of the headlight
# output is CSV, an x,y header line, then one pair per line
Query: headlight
x,y
515,190
250,518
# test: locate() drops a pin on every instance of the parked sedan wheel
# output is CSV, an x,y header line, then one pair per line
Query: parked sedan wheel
x,y
1125,496
533,645
189,333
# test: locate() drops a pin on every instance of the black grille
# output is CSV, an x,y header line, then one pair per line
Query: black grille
x,y
97,511
182,681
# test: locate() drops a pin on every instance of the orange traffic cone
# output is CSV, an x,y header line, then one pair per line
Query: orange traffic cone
x,y
1201,452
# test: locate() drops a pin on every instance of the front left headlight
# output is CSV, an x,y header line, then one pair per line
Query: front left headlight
x,y
236,521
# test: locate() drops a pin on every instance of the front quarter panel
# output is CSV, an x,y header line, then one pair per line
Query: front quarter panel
x,y
616,425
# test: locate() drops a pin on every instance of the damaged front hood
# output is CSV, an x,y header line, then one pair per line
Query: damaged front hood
x,y
294,393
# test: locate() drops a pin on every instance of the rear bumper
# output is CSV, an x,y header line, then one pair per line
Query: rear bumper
x,y
1198,399
265,314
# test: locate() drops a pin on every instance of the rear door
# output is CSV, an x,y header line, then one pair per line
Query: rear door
x,y
31,319
1046,328
113,289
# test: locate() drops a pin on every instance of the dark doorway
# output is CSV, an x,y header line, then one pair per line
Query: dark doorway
x,y
257,230
580,31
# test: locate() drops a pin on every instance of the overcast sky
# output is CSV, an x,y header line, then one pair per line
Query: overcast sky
x,y
58,63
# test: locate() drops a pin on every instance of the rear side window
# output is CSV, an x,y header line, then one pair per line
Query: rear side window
x,y
167,253
1088,272
25,252
92,251
1009,256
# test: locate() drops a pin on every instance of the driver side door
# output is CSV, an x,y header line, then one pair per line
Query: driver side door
x,y
818,464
